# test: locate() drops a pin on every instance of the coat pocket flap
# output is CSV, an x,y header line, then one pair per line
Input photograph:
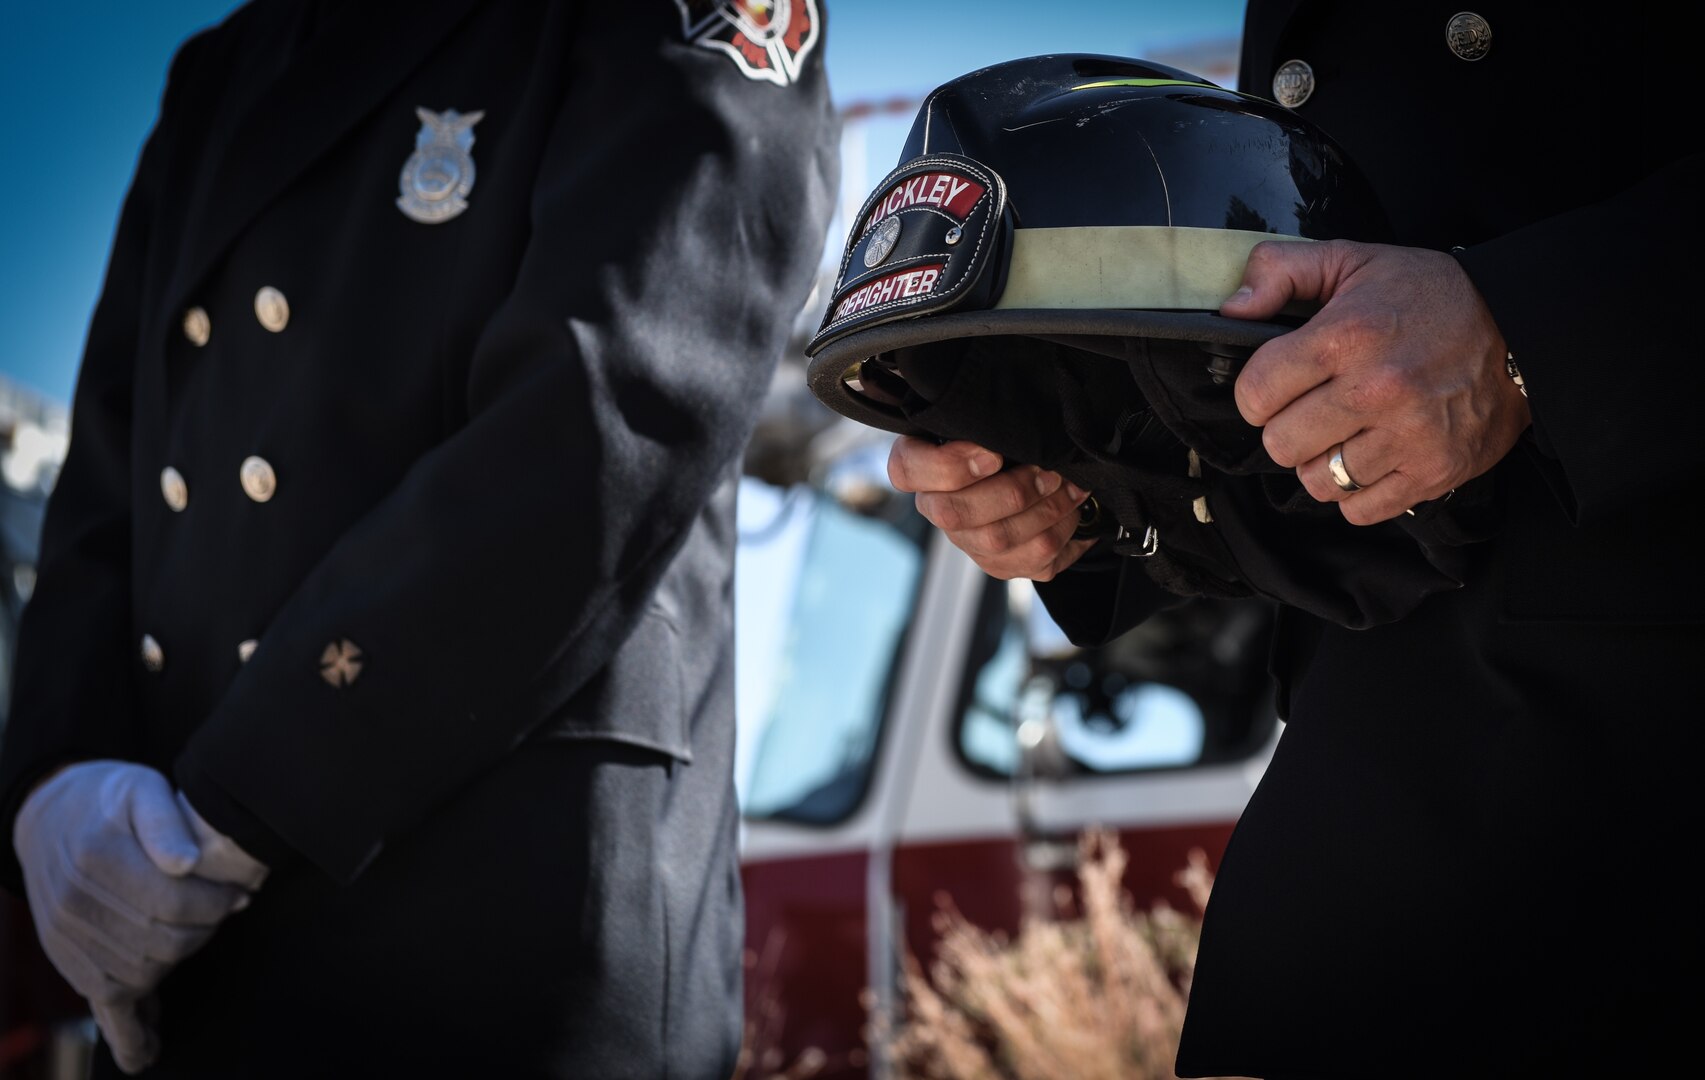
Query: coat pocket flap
x,y
637,698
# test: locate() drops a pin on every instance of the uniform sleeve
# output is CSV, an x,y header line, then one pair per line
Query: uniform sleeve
x,y
1597,307
1101,596
678,218
76,659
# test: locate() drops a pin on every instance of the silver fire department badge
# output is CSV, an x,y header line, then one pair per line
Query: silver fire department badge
x,y
767,39
439,174
883,241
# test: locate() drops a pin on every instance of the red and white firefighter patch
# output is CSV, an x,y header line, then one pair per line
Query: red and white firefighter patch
x,y
767,39
916,281
924,242
953,193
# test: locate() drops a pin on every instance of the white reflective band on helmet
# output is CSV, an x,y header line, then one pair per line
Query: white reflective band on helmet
x,y
1128,266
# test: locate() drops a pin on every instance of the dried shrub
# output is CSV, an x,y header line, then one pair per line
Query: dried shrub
x,y
1096,994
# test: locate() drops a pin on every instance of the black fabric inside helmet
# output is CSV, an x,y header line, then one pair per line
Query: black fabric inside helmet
x,y
1119,416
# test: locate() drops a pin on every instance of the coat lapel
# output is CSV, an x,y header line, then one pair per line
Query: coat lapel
x,y
1261,28
337,80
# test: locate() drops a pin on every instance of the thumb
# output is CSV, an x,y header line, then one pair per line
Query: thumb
x,y
160,826
132,1043
1279,271
222,858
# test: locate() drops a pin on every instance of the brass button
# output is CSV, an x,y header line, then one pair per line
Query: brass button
x,y
272,309
340,664
173,489
1293,83
259,481
246,649
1468,35
197,326
153,657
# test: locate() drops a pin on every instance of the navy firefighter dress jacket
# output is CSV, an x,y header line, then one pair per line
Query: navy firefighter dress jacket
x,y
397,522
1465,858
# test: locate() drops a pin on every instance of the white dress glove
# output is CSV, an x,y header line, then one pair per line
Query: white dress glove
x,y
108,859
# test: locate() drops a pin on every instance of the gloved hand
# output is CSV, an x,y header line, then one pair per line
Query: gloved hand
x,y
130,1038
107,856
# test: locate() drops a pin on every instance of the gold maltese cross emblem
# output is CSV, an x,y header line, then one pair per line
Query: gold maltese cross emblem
x,y
340,664
438,176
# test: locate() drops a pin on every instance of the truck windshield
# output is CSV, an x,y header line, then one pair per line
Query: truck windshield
x,y
825,587
1187,687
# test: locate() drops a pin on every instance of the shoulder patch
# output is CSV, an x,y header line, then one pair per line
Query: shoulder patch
x,y
767,39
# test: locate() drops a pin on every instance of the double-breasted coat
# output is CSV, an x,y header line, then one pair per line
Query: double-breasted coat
x,y
1465,856
396,526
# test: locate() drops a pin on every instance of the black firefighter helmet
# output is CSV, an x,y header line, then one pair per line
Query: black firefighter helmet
x,y
1042,273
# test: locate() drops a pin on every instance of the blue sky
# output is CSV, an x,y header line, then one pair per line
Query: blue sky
x,y
80,81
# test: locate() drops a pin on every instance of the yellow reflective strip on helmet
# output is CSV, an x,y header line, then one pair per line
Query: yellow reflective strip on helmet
x,y
1161,267
1145,82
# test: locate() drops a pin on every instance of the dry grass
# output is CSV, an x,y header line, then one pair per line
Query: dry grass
x,y
1093,994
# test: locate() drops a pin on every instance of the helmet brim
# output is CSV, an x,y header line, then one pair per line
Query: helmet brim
x,y
826,372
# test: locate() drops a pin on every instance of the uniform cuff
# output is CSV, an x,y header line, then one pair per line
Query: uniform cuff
x,y
230,817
